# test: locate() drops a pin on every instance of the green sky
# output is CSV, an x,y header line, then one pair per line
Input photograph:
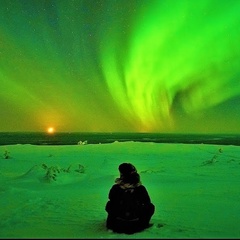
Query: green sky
x,y
120,65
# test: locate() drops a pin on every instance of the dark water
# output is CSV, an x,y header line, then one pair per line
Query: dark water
x,y
39,138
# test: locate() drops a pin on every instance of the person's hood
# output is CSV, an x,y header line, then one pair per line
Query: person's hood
x,y
125,185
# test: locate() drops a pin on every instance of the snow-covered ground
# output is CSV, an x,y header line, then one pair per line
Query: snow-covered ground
x,y
61,191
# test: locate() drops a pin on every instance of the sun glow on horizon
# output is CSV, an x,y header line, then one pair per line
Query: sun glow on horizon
x,y
50,130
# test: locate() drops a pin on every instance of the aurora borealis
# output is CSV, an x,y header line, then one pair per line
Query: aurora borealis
x,y
120,65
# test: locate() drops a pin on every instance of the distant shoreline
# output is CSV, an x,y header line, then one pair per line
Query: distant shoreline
x,y
75,138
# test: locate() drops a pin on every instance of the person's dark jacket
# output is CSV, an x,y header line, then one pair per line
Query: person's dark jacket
x,y
140,191
115,193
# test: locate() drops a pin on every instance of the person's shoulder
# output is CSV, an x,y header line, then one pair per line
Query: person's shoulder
x,y
141,188
115,186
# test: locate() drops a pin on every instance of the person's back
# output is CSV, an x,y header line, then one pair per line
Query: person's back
x,y
129,207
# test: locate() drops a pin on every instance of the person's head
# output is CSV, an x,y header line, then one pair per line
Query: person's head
x,y
128,173
126,169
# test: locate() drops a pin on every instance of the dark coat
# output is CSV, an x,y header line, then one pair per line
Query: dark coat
x,y
140,191
112,206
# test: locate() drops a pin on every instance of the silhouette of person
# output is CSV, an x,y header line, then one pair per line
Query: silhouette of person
x,y
122,216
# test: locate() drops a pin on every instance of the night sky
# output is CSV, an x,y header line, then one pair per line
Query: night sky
x,y
120,65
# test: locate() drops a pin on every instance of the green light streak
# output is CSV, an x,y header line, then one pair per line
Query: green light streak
x,y
178,47
113,65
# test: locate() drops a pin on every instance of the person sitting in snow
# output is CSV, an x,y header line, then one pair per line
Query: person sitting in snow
x,y
129,206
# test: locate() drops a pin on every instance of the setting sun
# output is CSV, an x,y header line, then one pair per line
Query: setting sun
x,y
50,130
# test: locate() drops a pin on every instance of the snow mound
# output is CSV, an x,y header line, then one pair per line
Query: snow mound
x,y
54,174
